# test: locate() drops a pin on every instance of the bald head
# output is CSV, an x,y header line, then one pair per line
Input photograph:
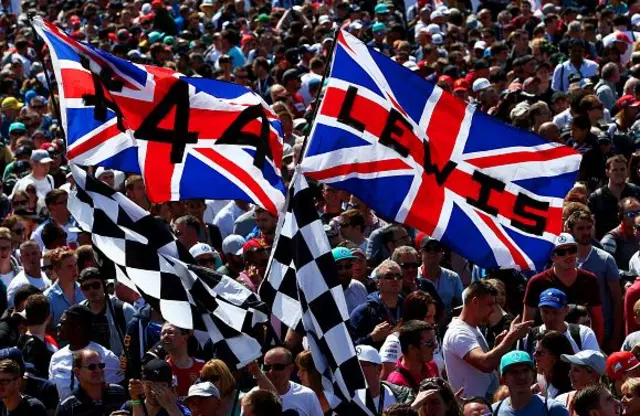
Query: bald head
x,y
550,132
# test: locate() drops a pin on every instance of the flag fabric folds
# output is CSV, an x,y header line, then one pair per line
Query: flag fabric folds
x,y
420,156
301,286
178,132
148,258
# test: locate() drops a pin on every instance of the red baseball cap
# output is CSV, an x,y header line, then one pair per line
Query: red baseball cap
x,y
461,83
254,243
621,37
156,4
446,79
627,101
619,363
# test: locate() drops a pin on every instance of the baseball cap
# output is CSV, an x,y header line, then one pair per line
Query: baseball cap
x,y
41,156
15,354
22,151
232,244
155,36
379,27
587,358
433,28
436,39
342,253
252,243
368,353
480,45
480,84
206,389
619,363
515,357
635,19
627,101
157,370
324,19
381,8
290,75
263,18
564,239
90,273
199,249
554,298
17,126
11,103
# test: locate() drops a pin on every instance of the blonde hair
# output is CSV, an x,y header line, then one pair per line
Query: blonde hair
x,y
636,307
5,234
218,373
633,384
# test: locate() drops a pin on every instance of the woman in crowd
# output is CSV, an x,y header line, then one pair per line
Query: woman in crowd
x,y
217,372
631,397
553,373
310,377
436,398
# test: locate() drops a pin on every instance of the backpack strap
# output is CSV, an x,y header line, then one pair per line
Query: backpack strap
x,y
497,410
546,405
574,331
407,375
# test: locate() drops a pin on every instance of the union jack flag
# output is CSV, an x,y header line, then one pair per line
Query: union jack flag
x,y
188,137
419,156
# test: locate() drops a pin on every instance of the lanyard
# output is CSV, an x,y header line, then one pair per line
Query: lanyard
x,y
381,402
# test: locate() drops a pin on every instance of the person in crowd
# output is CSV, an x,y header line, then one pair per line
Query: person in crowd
x,y
205,256
266,224
66,291
621,242
203,399
186,369
36,345
622,366
255,253
136,191
553,310
373,321
261,403
435,397
143,333
633,338
217,372
500,319
354,292
409,260
310,377
9,267
447,282
188,230
56,202
518,374
12,320
75,330
470,363
110,314
352,227
476,406
13,401
580,286
91,394
596,400
154,394
553,373
603,266
232,252
39,176
417,342
31,273
278,366
587,367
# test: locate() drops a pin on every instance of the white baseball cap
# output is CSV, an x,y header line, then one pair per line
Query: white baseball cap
x,y
565,239
635,19
199,249
206,389
232,244
369,354
587,358
433,28
480,84
480,45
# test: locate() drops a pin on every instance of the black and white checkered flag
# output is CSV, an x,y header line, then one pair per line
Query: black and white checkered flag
x,y
148,258
302,285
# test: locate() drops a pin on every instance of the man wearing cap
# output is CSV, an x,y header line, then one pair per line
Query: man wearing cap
x,y
255,253
56,202
203,399
91,395
110,314
205,256
587,367
553,310
371,363
154,395
355,293
39,176
291,82
75,328
580,286
10,108
379,31
621,366
296,398
232,252
446,283
518,374
576,64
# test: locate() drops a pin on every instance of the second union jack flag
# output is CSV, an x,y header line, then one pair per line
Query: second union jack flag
x,y
422,157
188,137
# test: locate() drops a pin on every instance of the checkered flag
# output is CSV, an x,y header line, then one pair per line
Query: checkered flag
x,y
148,258
302,286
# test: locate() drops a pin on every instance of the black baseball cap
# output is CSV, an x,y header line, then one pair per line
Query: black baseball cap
x,y
90,273
157,370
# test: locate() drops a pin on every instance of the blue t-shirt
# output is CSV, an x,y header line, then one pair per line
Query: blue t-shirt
x,y
449,286
534,408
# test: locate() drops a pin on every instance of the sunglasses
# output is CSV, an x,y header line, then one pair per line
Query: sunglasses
x,y
94,286
632,214
94,367
409,265
275,367
391,276
564,251
206,261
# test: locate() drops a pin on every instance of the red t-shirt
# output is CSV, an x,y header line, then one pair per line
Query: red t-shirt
x,y
630,298
185,377
429,369
584,291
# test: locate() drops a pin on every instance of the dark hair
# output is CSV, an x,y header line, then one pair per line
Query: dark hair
x,y
24,292
410,334
9,366
581,122
416,306
445,390
575,313
479,289
51,233
578,216
355,218
189,221
37,309
263,403
400,409
634,163
304,361
557,344
388,233
52,196
476,399
588,399
615,159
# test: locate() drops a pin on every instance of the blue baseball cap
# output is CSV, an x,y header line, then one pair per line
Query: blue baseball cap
x,y
342,253
381,8
16,125
515,357
379,27
554,298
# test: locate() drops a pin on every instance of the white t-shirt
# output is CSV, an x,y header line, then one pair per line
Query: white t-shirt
x,y
564,398
72,237
8,277
587,338
459,340
389,398
633,37
42,185
23,279
300,400
226,217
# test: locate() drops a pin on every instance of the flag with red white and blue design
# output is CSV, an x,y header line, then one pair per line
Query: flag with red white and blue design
x,y
188,137
420,156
